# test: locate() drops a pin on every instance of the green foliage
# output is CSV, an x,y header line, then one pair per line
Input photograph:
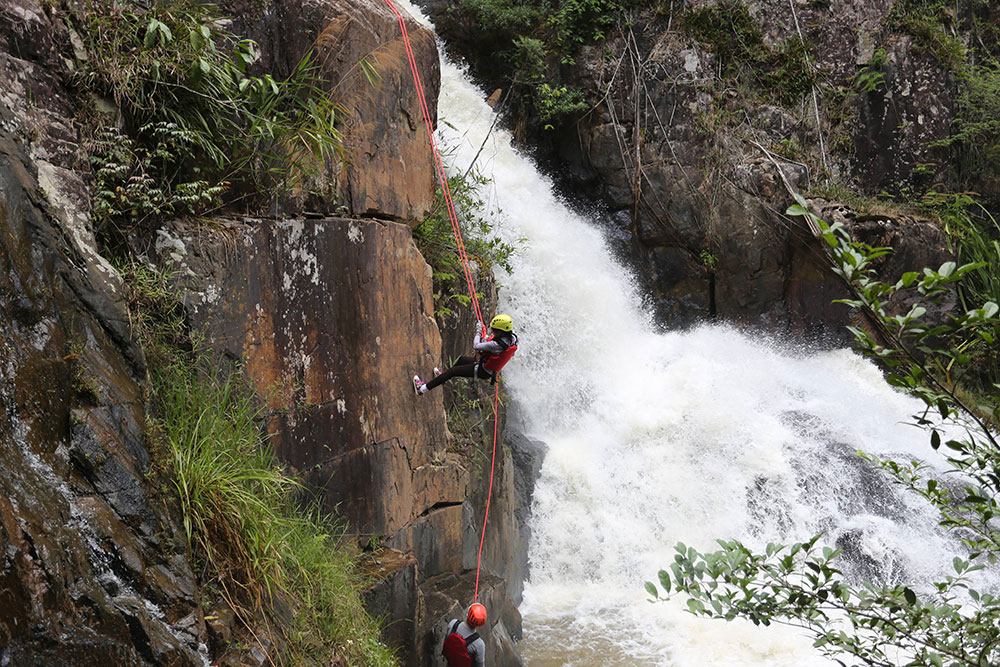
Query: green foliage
x,y
241,519
506,19
787,71
926,20
871,77
532,40
976,129
555,103
174,65
226,480
925,355
739,46
129,184
578,22
729,29
436,240
155,311
567,24
529,58
800,585
708,260
974,237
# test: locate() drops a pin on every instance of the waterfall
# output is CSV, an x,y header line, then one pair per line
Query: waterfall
x,y
659,436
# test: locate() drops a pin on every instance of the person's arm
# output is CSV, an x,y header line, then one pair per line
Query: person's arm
x,y
487,346
480,652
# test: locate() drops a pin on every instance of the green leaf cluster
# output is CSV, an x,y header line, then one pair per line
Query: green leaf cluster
x,y
244,525
871,78
129,186
534,40
436,239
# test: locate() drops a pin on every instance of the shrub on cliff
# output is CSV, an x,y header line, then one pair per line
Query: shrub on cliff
x,y
435,238
256,545
173,64
534,42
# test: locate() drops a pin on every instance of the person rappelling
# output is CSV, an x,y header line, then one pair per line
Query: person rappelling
x,y
493,354
463,647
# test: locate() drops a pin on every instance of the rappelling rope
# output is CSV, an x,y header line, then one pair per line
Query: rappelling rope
x,y
489,494
456,230
438,165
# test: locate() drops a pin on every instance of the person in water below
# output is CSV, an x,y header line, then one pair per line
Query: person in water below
x,y
494,353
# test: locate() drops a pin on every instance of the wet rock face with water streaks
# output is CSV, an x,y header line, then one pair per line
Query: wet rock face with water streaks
x,y
92,569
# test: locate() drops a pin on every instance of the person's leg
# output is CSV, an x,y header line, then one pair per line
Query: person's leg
x,y
464,367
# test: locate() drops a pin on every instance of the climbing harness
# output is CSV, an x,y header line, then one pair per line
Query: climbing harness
x,y
456,230
495,363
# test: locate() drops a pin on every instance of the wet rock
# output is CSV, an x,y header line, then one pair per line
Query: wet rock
x,y
901,119
312,308
79,529
527,456
394,598
220,621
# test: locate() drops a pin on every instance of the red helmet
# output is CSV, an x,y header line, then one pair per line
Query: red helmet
x,y
477,615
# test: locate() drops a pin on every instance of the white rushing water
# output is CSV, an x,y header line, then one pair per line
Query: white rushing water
x,y
657,437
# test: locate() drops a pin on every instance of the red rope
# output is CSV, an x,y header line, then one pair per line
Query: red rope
x,y
489,494
438,165
460,244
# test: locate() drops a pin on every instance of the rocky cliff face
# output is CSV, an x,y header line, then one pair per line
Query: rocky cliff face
x,y
693,149
692,161
361,57
94,570
329,316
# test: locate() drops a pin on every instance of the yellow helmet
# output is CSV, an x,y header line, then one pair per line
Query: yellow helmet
x,y
502,323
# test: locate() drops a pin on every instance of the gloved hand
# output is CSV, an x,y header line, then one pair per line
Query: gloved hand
x,y
480,327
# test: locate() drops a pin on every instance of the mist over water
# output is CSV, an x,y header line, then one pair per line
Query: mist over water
x,y
657,437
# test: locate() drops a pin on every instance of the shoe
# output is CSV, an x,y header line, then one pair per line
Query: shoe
x,y
437,371
418,385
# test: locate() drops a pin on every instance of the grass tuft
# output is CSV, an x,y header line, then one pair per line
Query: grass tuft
x,y
242,521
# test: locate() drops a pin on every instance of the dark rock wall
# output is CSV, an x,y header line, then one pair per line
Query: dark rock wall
x,y
93,568
686,160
